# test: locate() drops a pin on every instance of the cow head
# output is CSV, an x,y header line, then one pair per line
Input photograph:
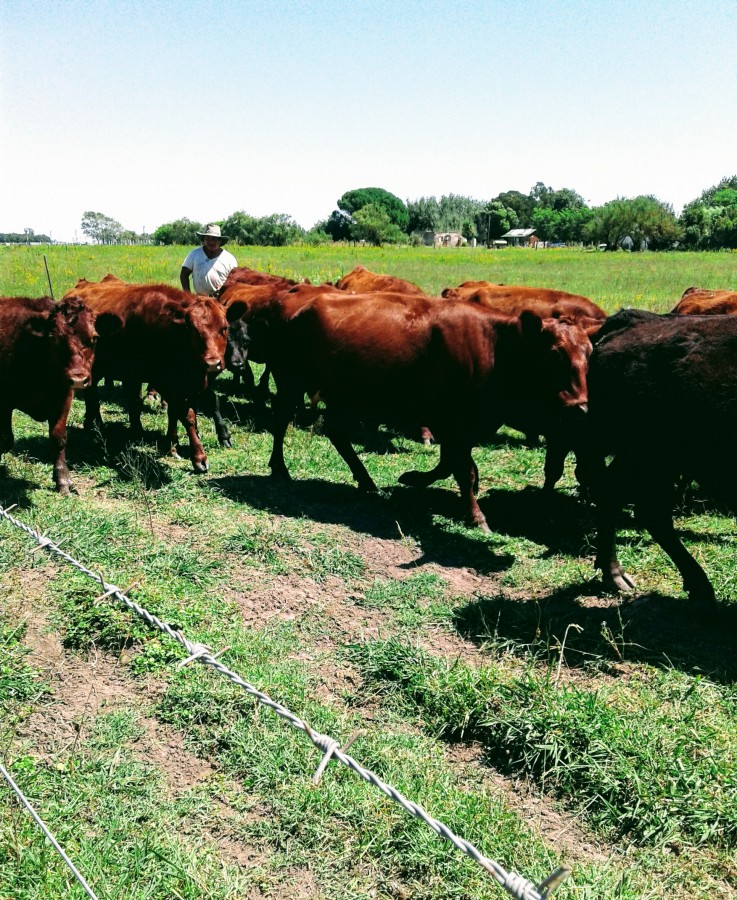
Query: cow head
x,y
69,330
236,350
204,328
561,351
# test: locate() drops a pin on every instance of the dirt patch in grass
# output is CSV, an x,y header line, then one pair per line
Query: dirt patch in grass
x,y
559,829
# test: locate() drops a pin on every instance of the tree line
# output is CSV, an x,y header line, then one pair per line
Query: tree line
x,y
377,217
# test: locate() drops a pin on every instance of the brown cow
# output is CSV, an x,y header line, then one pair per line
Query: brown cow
x,y
546,303
172,340
408,360
236,355
702,302
514,299
361,280
46,353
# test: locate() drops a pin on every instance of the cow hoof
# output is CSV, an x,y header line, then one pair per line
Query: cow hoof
x,y
280,475
226,444
200,467
618,582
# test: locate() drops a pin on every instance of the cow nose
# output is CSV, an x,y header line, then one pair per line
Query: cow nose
x,y
214,365
79,384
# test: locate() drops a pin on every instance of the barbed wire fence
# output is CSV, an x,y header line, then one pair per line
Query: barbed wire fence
x,y
514,884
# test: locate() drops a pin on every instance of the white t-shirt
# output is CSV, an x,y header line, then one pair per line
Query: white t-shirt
x,y
208,275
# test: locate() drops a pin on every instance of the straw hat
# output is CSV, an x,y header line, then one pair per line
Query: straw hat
x,y
212,231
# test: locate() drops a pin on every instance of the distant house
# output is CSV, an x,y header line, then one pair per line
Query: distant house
x,y
443,239
518,237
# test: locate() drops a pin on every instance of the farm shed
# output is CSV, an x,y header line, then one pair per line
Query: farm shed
x,y
520,236
443,239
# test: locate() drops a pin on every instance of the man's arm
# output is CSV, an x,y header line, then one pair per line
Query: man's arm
x,y
184,275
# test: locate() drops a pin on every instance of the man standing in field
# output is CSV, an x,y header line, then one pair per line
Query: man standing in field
x,y
209,264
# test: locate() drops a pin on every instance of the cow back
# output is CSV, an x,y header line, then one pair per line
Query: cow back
x,y
702,302
361,279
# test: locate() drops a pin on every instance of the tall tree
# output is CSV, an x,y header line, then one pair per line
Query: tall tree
x,y
354,200
101,228
424,214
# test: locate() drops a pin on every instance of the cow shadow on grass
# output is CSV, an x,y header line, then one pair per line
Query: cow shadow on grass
x,y
15,491
559,521
390,515
608,631
112,447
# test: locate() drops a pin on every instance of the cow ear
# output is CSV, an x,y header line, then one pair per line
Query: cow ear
x,y
530,324
108,323
38,326
236,310
174,312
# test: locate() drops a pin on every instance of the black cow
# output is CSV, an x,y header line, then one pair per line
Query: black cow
x,y
663,402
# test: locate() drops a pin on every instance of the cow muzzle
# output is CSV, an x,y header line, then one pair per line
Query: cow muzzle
x,y
79,383
214,365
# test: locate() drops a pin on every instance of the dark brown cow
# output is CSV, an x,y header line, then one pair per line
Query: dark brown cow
x,y
170,339
46,353
703,302
673,381
408,360
361,280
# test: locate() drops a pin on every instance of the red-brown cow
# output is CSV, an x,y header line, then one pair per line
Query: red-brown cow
x,y
408,360
361,280
546,303
170,339
514,299
703,302
46,353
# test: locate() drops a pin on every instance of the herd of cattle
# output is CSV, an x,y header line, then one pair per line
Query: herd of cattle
x,y
641,399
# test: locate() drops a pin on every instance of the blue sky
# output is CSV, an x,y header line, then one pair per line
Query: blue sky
x,y
148,111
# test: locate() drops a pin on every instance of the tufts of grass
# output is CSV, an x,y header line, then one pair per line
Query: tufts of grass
x,y
635,756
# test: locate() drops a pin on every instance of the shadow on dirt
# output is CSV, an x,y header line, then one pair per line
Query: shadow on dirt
x,y
389,515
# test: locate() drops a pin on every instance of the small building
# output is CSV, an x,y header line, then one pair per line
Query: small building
x,y
443,239
520,237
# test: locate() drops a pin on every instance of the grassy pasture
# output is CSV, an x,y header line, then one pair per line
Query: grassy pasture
x,y
487,676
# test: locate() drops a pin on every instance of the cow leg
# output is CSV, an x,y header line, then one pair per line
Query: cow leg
x,y
335,430
246,377
288,396
466,474
134,405
92,416
262,391
443,469
182,411
6,429
58,438
655,510
606,487
556,450
210,406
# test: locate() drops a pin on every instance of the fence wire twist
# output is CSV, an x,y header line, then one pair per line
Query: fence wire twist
x,y
516,885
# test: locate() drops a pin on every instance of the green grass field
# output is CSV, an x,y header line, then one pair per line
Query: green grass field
x,y
486,676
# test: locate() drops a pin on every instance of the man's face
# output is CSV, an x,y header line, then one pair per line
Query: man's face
x,y
211,245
